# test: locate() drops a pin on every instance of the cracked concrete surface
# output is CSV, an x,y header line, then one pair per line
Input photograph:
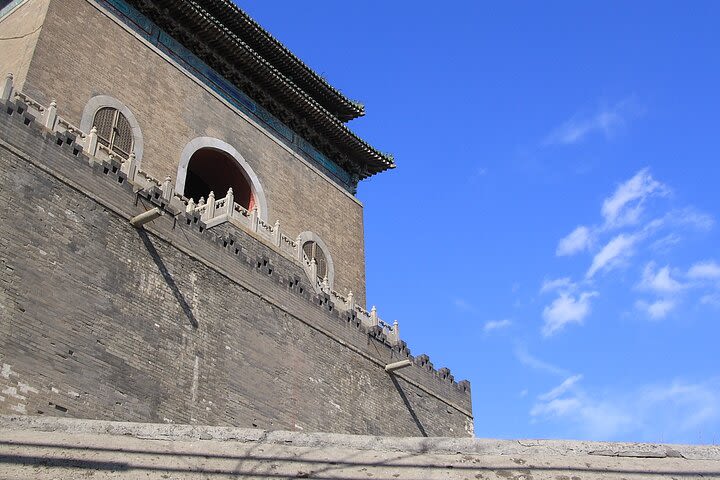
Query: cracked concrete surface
x,y
53,448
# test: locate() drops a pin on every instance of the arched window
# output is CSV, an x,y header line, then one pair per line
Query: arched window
x,y
114,131
212,170
313,251
118,129
314,247
208,164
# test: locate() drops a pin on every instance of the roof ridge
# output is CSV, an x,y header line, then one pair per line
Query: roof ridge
x,y
387,159
355,105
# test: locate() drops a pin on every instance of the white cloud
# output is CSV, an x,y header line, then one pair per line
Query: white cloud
x,y
563,284
497,325
558,407
625,206
690,217
682,218
566,385
576,241
606,121
613,253
708,270
712,299
569,402
647,413
465,306
659,281
666,243
658,309
529,360
564,310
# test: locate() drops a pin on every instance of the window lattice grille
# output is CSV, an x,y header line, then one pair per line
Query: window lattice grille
x,y
313,250
114,131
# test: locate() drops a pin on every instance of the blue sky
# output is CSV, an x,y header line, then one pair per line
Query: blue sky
x,y
551,231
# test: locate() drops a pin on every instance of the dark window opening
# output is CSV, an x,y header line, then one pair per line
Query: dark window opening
x,y
114,131
313,250
211,170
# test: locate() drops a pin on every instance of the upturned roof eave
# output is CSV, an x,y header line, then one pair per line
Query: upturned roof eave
x,y
282,58
368,160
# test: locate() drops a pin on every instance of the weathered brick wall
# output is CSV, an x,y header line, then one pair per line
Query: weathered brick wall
x,y
82,52
19,33
175,324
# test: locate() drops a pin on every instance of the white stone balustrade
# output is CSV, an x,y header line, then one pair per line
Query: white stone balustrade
x,y
212,213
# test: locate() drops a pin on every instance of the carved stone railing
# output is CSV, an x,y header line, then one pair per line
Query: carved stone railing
x,y
212,211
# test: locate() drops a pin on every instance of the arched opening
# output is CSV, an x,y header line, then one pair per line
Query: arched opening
x,y
214,170
118,129
312,251
313,247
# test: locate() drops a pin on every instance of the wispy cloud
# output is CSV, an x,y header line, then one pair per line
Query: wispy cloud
x,y
575,242
564,284
658,309
613,253
606,121
646,413
465,306
712,299
560,389
659,281
529,360
687,218
707,270
626,204
566,309
666,243
497,325
630,226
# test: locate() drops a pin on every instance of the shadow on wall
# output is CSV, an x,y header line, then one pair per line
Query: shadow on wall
x,y
407,404
168,277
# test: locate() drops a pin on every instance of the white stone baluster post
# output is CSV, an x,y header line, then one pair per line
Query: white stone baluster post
x,y
396,331
201,203
210,206
326,284
351,302
131,167
51,116
276,233
7,87
254,219
190,206
298,246
229,203
91,142
313,270
374,316
167,188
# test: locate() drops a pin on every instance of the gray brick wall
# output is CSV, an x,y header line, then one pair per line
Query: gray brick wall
x,y
178,323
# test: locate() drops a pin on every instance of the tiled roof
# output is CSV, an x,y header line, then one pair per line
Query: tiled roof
x,y
228,40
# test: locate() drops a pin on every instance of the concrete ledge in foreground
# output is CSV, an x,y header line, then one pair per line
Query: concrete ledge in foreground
x,y
53,448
